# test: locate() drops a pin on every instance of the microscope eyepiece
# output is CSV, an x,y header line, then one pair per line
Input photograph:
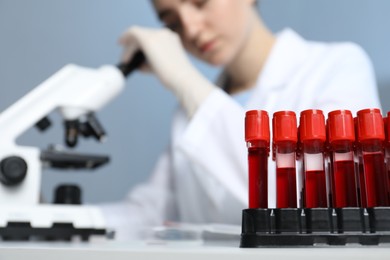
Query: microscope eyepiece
x,y
137,60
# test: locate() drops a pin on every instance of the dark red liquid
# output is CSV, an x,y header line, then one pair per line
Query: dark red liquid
x,y
258,177
344,184
388,185
315,189
376,180
387,163
362,186
388,178
286,191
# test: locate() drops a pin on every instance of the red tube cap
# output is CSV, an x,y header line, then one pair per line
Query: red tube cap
x,y
284,126
341,126
312,125
257,126
370,124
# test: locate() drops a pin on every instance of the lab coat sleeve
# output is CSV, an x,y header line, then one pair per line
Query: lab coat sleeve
x,y
214,141
147,205
350,84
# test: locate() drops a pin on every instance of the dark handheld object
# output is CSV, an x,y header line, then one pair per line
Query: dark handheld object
x,y
137,60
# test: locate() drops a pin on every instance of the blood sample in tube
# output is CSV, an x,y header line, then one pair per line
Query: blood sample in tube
x,y
361,183
313,136
284,127
341,139
387,150
371,138
257,137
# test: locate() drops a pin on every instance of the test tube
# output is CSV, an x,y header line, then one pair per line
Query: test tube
x,y
257,137
371,137
284,129
361,183
313,136
300,173
341,139
387,150
328,160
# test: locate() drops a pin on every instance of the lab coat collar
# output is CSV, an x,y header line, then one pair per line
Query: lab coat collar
x,y
288,53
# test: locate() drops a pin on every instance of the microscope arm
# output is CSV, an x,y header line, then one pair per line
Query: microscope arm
x,y
74,90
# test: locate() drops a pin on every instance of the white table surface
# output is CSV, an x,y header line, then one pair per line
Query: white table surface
x,y
183,250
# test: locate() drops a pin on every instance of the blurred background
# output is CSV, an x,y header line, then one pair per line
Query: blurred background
x,y
39,37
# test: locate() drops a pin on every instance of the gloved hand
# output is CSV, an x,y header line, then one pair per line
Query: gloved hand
x,y
167,59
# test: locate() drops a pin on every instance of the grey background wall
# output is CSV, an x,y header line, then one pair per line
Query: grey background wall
x,y
39,37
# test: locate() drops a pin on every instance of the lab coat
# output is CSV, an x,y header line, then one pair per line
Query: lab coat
x,y
202,177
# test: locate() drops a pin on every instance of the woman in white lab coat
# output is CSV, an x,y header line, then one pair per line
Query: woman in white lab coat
x,y
202,176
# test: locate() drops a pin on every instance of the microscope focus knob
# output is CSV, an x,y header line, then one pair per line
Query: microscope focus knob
x,y
13,170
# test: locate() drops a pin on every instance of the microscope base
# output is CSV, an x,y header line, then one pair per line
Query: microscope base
x,y
51,222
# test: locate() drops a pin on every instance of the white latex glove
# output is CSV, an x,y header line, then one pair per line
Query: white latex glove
x,y
167,59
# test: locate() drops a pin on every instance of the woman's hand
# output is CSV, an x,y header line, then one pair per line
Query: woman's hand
x,y
167,59
163,50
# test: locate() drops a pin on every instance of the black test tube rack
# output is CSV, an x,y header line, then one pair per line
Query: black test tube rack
x,y
316,226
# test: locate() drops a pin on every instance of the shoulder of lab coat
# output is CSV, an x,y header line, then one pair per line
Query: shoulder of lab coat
x,y
301,74
147,205
351,83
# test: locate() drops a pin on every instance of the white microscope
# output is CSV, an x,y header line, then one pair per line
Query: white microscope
x,y
76,92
